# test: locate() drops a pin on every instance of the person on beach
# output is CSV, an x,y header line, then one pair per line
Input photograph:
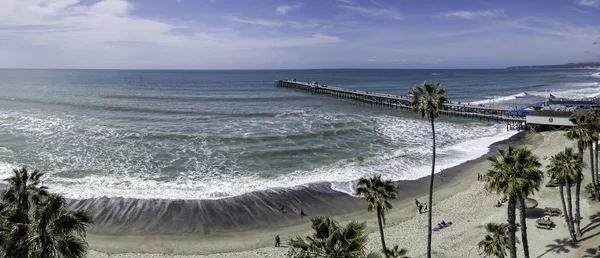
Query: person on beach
x,y
302,213
277,241
283,210
425,207
420,208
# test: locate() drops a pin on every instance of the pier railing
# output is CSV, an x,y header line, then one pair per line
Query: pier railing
x,y
454,109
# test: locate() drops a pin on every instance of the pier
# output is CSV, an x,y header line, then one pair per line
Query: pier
x,y
498,114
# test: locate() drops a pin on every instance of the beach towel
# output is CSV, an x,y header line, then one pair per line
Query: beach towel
x,y
436,229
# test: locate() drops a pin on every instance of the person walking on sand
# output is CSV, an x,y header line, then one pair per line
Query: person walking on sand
x,y
277,241
425,207
420,208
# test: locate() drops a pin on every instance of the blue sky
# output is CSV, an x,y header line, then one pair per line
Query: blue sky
x,y
282,34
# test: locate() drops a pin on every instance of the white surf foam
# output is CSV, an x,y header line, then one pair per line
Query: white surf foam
x,y
133,176
595,75
499,99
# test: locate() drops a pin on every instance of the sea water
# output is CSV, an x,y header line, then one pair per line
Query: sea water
x,y
152,134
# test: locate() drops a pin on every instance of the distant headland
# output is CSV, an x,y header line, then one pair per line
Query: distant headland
x,y
569,65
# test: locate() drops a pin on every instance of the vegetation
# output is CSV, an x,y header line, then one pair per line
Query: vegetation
x,y
377,193
516,175
36,224
331,240
428,98
580,133
587,131
495,242
565,168
528,179
589,190
396,252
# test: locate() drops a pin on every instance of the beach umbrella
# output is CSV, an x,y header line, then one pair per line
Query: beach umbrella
x,y
529,203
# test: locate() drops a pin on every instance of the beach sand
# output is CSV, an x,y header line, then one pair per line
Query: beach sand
x,y
461,200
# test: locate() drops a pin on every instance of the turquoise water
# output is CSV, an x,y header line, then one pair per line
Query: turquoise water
x,y
217,134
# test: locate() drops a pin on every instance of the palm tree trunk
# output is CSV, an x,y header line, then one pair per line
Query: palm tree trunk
x,y
569,214
578,195
431,189
523,228
381,231
594,180
596,160
512,216
577,217
564,205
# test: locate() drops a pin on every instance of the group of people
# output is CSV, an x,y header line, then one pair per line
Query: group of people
x,y
284,211
443,224
501,202
421,206
277,239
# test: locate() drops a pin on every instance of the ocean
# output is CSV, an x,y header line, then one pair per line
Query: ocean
x,y
205,135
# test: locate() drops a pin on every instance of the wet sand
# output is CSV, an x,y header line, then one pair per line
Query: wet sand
x,y
458,197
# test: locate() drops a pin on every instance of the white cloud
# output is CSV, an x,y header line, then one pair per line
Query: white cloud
x,y
388,13
283,9
472,15
105,34
261,22
588,2
345,1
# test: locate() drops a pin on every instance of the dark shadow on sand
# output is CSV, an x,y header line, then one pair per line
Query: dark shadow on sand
x,y
594,223
561,246
534,213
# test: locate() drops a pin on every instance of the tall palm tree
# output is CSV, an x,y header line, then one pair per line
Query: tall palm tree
x,y
495,242
330,240
23,189
564,168
428,98
579,132
56,231
501,178
594,116
377,193
590,135
529,178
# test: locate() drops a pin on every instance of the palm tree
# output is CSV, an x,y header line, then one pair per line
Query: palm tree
x,y
56,231
396,252
13,232
377,193
501,178
428,98
580,133
23,189
495,242
529,177
595,127
564,168
330,240
589,134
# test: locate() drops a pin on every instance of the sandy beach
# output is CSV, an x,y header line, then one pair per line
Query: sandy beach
x,y
460,199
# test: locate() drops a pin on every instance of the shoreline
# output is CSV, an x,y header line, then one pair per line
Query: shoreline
x,y
193,242
251,211
462,200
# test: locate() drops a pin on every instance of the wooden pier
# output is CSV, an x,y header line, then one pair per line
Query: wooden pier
x,y
404,102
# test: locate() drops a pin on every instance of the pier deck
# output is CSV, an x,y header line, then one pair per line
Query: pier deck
x,y
404,102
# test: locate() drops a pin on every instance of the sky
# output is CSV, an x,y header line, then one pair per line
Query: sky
x,y
296,34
